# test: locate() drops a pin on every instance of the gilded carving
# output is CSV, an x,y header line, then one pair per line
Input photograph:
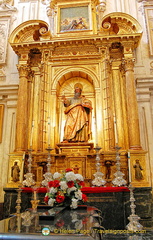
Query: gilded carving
x,y
66,60
129,64
23,70
111,24
75,51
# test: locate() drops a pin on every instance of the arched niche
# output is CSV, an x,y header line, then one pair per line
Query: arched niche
x,y
65,86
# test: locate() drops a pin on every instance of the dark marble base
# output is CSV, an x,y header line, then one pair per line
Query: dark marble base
x,y
115,206
1,211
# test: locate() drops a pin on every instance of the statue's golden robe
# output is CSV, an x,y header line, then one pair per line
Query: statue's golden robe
x,y
78,122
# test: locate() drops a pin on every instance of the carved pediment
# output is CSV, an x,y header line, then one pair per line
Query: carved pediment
x,y
30,31
120,24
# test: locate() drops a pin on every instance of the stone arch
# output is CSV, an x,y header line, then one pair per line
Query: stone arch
x,y
118,23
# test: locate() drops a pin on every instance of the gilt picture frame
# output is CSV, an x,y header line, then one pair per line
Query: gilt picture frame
x,y
74,19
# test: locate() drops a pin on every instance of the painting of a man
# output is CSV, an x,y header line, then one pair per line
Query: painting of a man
x,y
78,112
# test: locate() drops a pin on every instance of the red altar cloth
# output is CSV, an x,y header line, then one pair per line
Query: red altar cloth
x,y
84,189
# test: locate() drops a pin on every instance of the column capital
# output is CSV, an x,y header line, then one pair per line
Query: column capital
x,y
23,70
128,64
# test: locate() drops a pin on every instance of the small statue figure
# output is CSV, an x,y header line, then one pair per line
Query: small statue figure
x,y
76,169
108,165
15,173
138,169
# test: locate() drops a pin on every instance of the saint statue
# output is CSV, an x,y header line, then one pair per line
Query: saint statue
x,y
138,169
78,122
15,174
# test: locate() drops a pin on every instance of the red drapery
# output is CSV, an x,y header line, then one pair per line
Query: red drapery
x,y
84,189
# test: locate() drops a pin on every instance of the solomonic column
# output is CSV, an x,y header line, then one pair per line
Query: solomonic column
x,y
132,106
22,109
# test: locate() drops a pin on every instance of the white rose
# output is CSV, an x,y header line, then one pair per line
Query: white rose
x,y
78,195
70,176
69,190
56,175
79,177
53,190
63,185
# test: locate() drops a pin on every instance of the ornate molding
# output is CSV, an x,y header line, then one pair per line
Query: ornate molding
x,y
128,64
23,70
7,6
30,31
120,23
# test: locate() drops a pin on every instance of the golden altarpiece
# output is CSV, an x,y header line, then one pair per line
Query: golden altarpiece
x,y
78,46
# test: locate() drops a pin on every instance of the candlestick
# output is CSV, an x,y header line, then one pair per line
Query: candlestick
x,y
49,127
129,167
115,131
32,128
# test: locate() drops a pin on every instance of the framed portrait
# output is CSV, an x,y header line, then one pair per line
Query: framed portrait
x,y
74,19
1,120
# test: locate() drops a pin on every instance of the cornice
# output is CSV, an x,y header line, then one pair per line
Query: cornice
x,y
96,40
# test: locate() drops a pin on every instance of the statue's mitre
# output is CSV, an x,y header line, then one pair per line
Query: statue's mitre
x,y
78,85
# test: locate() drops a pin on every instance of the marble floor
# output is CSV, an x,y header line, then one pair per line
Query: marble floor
x,y
146,236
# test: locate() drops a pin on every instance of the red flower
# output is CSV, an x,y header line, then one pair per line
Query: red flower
x,y
70,184
69,170
60,198
84,197
81,183
46,198
56,183
50,184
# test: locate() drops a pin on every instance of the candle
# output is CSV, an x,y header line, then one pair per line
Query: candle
x,y
35,195
115,131
32,128
96,132
129,167
23,158
49,130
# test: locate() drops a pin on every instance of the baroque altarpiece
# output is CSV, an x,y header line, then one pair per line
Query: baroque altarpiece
x,y
78,46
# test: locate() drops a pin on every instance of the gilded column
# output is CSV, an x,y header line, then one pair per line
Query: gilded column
x,y
36,118
22,109
132,107
118,114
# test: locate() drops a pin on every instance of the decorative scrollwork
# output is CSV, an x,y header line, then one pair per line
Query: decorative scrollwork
x,y
43,30
106,25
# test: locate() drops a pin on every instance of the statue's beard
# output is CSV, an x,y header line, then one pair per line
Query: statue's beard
x,y
77,95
